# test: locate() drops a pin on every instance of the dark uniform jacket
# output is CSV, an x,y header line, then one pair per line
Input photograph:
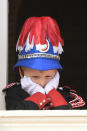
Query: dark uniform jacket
x,y
62,98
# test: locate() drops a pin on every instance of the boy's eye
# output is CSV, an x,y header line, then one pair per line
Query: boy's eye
x,y
35,76
48,76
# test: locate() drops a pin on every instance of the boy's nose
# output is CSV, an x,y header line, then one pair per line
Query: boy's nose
x,y
43,83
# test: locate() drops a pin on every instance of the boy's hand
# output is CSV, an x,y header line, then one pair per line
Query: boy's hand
x,y
52,84
30,87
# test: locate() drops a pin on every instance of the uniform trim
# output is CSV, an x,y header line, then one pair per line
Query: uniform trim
x,y
10,85
77,102
36,55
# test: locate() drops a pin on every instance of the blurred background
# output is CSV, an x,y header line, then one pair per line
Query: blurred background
x,y
72,20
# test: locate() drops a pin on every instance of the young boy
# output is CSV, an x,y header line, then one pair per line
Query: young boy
x,y
40,45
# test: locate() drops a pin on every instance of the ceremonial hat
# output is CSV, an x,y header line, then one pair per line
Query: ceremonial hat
x,y
40,44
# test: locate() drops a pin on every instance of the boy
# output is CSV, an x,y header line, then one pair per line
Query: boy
x,y
39,46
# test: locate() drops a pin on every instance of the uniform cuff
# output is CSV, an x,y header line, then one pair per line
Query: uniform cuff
x,y
56,98
39,99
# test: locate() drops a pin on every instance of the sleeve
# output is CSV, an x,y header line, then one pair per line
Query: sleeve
x,y
58,102
15,101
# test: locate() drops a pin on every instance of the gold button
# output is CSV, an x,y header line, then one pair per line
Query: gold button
x,y
44,101
48,99
41,104
51,104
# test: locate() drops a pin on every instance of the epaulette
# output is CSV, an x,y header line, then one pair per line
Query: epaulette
x,y
77,100
10,85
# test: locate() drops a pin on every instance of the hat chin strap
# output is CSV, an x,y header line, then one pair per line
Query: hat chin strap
x,y
22,72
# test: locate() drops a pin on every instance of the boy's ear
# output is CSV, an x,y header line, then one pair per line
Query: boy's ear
x,y
21,72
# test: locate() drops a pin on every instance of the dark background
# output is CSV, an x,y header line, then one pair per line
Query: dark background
x,y
72,20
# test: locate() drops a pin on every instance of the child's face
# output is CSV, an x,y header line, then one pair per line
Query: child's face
x,y
39,77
